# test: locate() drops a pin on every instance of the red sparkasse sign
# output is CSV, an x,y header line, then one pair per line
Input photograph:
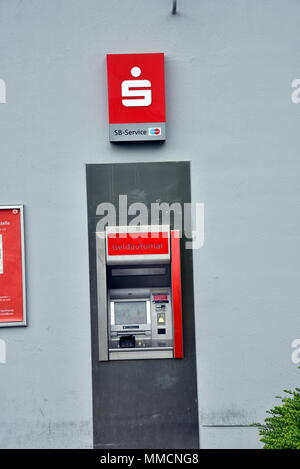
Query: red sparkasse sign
x,y
12,308
136,96
142,244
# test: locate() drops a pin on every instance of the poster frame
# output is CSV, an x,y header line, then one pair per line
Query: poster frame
x,y
24,322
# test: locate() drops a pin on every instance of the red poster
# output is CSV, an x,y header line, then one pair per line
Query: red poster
x,y
12,303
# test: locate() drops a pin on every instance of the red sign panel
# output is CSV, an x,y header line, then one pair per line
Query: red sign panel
x,y
136,96
12,308
136,88
160,297
137,244
176,294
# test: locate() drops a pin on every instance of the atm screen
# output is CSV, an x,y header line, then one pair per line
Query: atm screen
x,y
130,312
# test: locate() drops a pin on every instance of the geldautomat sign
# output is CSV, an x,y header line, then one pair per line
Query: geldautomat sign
x,y
136,97
143,244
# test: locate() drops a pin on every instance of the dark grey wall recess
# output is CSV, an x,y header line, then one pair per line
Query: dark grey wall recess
x,y
148,404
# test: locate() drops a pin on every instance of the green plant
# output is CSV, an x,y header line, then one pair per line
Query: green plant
x,y
282,429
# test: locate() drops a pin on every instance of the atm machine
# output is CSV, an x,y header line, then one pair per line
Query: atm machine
x,y
139,293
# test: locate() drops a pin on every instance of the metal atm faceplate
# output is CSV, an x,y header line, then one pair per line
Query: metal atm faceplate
x,y
155,336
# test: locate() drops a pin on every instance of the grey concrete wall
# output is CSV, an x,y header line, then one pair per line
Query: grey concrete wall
x,y
229,71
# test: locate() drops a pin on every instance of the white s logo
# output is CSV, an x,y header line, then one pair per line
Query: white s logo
x,y
140,97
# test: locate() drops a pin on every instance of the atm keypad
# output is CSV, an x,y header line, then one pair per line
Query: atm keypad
x,y
161,310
